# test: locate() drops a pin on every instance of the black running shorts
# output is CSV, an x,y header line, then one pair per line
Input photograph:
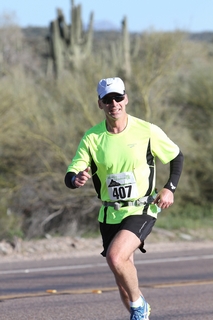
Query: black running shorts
x,y
140,225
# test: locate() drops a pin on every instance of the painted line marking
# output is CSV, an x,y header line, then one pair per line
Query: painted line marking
x,y
102,290
104,264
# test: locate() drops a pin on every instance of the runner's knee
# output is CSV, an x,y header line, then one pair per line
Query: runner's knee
x,y
115,261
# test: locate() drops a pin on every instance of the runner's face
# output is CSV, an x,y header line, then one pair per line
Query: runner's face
x,y
113,105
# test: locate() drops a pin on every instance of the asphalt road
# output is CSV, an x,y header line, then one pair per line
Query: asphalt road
x,y
178,285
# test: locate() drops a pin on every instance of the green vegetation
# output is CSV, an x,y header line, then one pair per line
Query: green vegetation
x,y
170,80
69,46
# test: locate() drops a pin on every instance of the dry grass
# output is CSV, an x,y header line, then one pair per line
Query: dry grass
x,y
42,121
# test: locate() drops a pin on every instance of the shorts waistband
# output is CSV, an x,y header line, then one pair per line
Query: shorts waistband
x,y
137,203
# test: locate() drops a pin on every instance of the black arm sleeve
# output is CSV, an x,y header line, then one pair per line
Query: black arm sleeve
x,y
176,166
68,178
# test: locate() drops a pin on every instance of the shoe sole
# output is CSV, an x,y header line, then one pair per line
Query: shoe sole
x,y
149,311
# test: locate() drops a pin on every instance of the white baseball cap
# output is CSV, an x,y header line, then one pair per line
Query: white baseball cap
x,y
109,85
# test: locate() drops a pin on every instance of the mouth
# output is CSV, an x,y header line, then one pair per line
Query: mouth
x,y
114,111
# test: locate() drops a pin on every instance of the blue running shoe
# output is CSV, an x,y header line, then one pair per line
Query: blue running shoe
x,y
141,313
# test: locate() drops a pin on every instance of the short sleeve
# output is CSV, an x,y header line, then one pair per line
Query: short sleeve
x,y
162,146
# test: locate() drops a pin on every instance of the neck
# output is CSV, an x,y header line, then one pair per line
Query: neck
x,y
116,126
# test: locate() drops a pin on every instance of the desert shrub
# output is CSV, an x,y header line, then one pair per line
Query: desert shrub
x,y
42,121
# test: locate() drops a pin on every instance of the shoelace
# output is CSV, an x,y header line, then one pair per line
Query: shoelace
x,y
137,313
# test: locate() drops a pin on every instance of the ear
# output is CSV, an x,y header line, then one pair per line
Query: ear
x,y
126,99
100,104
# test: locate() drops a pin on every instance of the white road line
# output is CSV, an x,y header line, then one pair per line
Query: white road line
x,y
92,265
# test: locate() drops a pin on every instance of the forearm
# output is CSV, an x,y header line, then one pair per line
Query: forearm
x,y
176,166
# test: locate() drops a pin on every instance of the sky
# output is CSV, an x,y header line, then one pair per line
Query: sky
x,y
142,15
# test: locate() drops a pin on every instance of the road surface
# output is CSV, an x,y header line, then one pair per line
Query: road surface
x,y
178,285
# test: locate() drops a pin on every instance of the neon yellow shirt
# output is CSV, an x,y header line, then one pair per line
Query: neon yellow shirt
x,y
123,165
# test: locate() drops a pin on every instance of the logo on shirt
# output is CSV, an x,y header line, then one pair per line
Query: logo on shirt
x,y
131,145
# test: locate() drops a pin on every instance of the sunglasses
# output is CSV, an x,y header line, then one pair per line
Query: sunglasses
x,y
109,100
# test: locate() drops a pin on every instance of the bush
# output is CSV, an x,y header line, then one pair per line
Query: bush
x,y
42,121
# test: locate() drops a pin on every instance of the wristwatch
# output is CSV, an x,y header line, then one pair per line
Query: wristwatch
x,y
73,181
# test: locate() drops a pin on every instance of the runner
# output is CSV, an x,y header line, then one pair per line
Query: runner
x,y
119,154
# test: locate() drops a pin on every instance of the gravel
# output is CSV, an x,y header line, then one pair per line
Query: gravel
x,y
57,247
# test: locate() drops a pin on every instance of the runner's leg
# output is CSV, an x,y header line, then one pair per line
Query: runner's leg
x,y
123,294
120,260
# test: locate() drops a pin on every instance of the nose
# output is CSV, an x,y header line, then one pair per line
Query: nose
x,y
114,102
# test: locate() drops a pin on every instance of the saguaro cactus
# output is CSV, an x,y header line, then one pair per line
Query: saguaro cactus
x,y
69,45
126,49
121,52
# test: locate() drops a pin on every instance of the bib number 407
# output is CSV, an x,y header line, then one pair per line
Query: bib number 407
x,y
122,192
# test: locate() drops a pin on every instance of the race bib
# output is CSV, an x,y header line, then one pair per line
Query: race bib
x,y
122,186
